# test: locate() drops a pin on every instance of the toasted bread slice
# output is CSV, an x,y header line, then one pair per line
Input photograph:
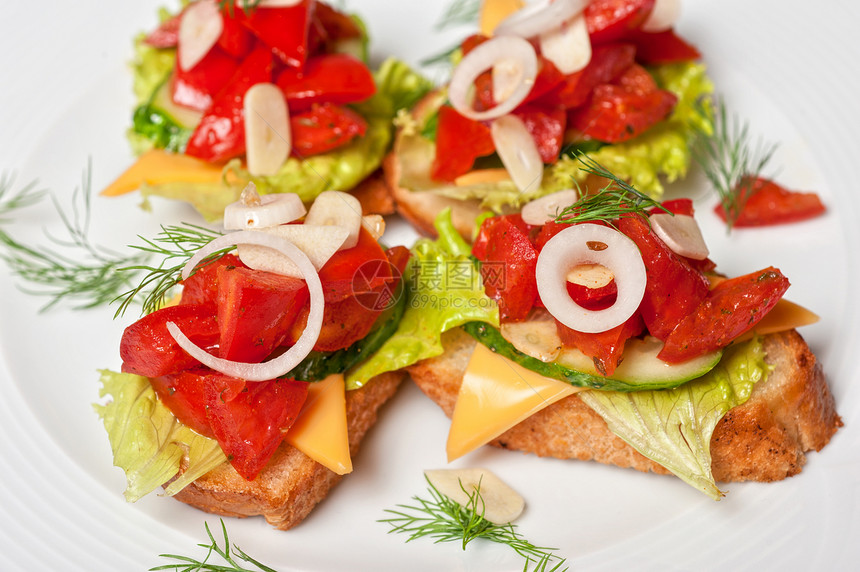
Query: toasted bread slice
x,y
292,484
765,439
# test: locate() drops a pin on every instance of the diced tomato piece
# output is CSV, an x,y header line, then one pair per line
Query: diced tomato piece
x,y
235,38
459,141
607,62
508,266
615,115
324,127
329,26
604,348
547,231
662,48
613,20
148,349
197,88
472,42
221,133
332,78
676,206
769,204
202,286
488,230
548,78
546,126
251,424
256,311
283,29
674,288
166,35
732,308
184,393
593,298
636,79
340,275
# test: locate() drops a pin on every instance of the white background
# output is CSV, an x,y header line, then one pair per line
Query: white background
x,y
787,66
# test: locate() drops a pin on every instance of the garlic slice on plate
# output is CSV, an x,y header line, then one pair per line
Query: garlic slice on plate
x,y
568,46
500,503
268,139
518,152
663,16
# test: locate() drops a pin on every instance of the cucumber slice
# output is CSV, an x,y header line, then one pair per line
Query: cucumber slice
x,y
640,365
182,116
645,372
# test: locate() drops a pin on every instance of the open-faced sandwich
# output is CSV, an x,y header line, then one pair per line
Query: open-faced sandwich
x,y
600,330
610,77
238,397
278,93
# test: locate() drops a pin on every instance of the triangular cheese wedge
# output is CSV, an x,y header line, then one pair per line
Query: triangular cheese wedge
x,y
494,11
496,394
784,316
157,166
320,432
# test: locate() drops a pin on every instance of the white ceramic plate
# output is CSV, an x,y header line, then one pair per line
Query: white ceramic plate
x,y
785,66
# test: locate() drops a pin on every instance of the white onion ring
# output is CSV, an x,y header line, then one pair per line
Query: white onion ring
x,y
303,346
568,249
537,17
518,151
505,50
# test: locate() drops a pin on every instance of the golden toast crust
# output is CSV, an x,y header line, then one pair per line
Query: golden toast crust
x,y
765,439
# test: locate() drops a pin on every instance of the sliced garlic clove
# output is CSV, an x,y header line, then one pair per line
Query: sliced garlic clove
x,y
681,233
199,29
547,208
253,211
518,152
268,139
374,224
318,242
337,208
501,504
536,338
663,16
568,46
590,275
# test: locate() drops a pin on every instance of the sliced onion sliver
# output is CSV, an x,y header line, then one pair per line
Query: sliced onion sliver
x,y
537,17
506,51
568,46
576,245
518,151
548,207
663,16
303,346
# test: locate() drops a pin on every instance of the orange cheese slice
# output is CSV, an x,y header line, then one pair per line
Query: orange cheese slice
x,y
482,176
496,394
783,316
320,431
157,166
494,11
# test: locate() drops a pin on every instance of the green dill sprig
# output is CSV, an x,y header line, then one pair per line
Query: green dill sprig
x,y
618,198
13,200
173,247
90,278
231,554
443,520
459,13
730,160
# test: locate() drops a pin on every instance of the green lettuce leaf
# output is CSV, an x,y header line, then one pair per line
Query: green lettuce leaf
x,y
148,442
674,427
444,290
342,169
